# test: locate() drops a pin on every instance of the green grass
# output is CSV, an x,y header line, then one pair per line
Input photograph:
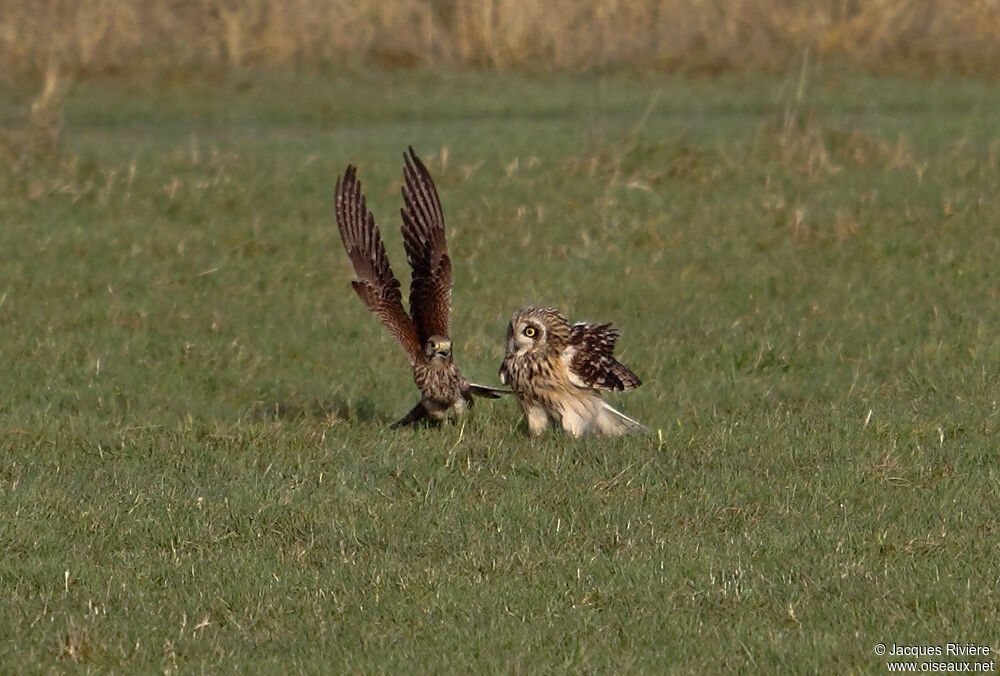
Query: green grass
x,y
197,473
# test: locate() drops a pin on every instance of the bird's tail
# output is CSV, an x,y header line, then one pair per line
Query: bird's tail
x,y
612,421
487,392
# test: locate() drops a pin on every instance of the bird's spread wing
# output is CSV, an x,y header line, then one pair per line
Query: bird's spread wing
x,y
426,250
376,285
591,362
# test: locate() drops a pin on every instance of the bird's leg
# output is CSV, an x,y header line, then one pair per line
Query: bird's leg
x,y
537,419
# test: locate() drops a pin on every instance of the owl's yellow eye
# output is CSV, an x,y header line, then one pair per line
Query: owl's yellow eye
x,y
530,331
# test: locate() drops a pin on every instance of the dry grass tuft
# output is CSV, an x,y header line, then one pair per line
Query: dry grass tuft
x,y
812,148
113,36
74,644
35,138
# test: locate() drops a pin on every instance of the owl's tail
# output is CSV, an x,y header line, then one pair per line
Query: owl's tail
x,y
612,421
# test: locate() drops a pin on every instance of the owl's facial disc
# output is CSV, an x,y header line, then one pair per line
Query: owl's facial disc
x,y
438,347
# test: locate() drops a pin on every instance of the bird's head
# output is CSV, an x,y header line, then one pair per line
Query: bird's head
x,y
438,348
525,333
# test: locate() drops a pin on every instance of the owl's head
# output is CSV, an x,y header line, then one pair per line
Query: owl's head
x,y
536,328
438,348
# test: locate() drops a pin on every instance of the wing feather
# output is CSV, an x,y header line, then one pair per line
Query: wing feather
x,y
376,285
591,362
426,250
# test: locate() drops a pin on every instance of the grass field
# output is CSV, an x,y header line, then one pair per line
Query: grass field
x,y
197,473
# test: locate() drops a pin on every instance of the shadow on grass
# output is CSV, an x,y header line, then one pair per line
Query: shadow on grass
x,y
298,409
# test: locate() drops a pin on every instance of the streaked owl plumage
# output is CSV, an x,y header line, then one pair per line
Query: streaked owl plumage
x,y
558,371
423,333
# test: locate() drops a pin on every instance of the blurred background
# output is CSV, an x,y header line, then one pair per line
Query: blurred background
x,y
47,46
118,37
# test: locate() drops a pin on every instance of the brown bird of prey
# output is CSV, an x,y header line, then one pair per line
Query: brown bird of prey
x,y
558,371
424,332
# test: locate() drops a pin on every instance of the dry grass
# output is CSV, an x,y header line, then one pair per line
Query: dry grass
x,y
115,36
35,137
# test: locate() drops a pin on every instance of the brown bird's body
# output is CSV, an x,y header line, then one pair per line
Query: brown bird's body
x,y
423,333
446,392
558,371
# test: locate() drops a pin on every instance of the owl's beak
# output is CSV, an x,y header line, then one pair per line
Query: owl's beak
x,y
516,344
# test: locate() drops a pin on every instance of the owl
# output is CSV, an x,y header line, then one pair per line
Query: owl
x,y
558,370
423,333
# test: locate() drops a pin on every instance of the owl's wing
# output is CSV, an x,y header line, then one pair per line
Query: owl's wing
x,y
591,362
426,250
376,285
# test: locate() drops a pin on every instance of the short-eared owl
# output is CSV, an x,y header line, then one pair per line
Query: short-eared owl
x,y
424,332
557,370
